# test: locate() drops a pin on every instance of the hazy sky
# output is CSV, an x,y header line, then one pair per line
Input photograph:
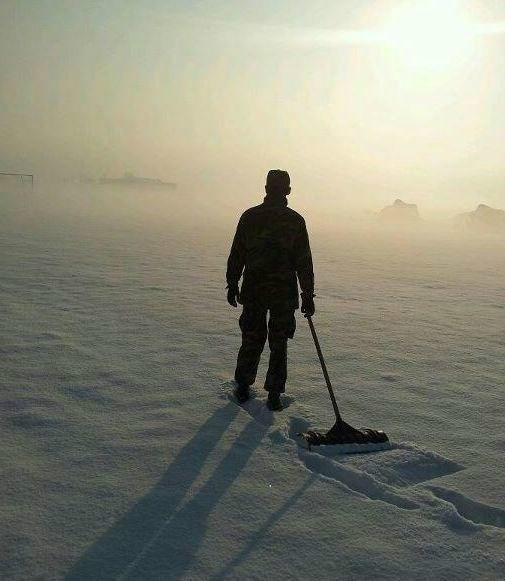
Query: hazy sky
x,y
212,94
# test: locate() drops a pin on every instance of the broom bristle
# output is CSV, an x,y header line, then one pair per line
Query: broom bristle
x,y
343,434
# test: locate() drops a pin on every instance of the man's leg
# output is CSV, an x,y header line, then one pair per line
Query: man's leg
x,y
253,323
281,327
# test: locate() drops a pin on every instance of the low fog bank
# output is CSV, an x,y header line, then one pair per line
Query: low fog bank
x,y
177,232
205,215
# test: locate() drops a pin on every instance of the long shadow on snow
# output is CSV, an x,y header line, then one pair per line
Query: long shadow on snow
x,y
155,539
256,538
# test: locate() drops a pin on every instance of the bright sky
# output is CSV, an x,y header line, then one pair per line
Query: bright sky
x,y
360,100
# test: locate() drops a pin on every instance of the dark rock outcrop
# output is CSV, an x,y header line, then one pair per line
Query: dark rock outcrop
x,y
483,219
400,212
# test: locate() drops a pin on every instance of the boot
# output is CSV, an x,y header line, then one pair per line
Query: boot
x,y
274,401
241,392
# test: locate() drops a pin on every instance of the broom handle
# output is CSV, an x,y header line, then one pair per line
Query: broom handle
x,y
323,367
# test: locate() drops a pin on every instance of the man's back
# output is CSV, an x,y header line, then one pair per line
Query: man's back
x,y
271,246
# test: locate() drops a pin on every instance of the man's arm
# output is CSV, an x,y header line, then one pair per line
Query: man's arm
x,y
236,262
305,270
303,261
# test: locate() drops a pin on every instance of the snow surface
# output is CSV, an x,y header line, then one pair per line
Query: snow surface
x,y
123,456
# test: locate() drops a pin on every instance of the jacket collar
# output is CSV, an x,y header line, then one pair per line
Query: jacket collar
x,y
275,201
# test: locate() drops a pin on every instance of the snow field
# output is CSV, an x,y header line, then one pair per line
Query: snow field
x,y
124,458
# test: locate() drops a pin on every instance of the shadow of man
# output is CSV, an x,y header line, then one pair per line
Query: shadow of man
x,y
114,552
157,538
173,550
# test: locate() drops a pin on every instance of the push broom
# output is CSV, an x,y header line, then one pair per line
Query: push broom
x,y
347,438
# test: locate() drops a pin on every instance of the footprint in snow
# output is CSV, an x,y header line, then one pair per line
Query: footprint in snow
x,y
477,512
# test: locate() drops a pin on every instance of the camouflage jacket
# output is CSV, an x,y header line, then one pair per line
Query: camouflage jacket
x,y
271,248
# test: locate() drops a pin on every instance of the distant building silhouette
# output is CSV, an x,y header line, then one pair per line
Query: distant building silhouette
x,y
129,179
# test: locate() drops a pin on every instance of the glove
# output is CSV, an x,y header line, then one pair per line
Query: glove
x,y
308,307
232,295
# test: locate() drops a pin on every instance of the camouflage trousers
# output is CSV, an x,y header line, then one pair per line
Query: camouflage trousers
x,y
253,324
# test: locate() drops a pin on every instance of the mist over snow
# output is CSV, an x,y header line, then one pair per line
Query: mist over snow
x,y
124,457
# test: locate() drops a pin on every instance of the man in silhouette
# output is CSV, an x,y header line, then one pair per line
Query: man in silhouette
x,y
271,249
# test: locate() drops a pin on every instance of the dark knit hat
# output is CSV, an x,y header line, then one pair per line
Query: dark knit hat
x,y
277,181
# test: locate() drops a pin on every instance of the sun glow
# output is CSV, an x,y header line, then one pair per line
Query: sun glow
x,y
430,34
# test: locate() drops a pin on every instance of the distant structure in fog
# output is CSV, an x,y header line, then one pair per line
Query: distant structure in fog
x,y
400,212
129,179
18,177
483,219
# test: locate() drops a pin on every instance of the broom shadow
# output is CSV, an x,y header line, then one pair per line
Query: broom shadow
x,y
256,537
125,543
